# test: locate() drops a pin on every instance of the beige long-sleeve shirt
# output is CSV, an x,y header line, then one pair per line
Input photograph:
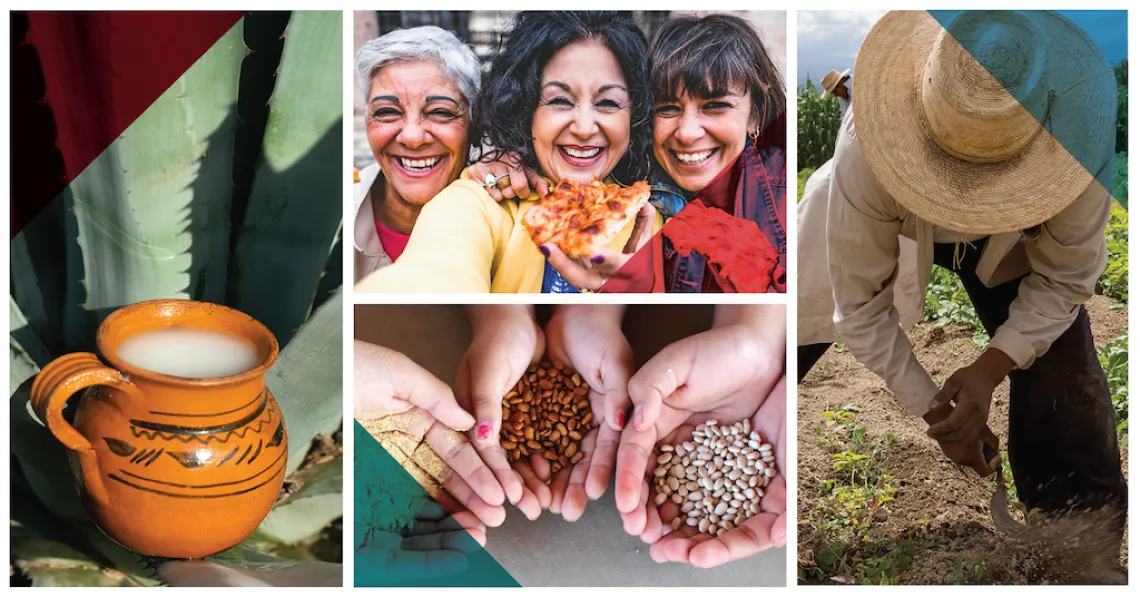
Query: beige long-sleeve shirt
x,y
1061,263
368,254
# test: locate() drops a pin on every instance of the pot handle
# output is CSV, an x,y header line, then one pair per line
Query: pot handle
x,y
58,382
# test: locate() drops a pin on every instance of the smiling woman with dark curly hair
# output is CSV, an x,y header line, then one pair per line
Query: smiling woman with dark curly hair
x,y
567,95
506,110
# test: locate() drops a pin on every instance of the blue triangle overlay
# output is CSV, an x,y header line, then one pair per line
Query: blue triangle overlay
x,y
1108,31
385,497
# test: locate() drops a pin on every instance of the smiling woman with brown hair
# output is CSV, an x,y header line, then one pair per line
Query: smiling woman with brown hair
x,y
718,135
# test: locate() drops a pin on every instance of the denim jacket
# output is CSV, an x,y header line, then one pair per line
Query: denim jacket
x,y
760,197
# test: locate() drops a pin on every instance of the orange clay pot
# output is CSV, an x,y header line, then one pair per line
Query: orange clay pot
x,y
169,466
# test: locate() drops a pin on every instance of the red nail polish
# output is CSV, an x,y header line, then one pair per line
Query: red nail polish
x,y
484,431
621,420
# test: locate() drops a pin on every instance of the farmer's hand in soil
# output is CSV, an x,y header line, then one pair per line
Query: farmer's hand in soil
x,y
524,182
968,453
386,382
590,340
505,341
730,373
436,545
970,390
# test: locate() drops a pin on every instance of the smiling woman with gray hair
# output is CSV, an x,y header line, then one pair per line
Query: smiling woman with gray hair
x,y
418,87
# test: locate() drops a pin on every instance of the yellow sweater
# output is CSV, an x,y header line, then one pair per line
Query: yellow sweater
x,y
466,242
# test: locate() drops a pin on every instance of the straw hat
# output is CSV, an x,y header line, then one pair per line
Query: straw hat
x,y
830,80
966,152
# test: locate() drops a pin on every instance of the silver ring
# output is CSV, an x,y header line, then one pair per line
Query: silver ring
x,y
490,180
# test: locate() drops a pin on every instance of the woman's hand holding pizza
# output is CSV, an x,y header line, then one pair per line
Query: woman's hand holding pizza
x,y
590,273
505,177
590,340
730,373
505,341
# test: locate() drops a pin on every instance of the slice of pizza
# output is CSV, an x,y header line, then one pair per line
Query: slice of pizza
x,y
735,246
582,219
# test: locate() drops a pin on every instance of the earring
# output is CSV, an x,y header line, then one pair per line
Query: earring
x,y
754,134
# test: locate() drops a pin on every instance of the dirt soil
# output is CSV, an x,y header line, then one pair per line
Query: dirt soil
x,y
938,502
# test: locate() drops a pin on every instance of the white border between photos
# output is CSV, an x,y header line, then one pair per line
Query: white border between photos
x,y
348,295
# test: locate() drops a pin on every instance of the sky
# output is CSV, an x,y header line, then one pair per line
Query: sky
x,y
830,39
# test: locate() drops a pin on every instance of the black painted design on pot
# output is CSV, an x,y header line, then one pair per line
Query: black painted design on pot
x,y
228,412
205,435
277,467
181,430
119,446
142,455
256,453
157,453
277,435
115,477
228,456
193,459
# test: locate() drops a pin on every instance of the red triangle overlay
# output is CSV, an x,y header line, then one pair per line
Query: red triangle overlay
x,y
101,70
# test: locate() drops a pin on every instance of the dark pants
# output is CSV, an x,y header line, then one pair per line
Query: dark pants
x,y
1062,429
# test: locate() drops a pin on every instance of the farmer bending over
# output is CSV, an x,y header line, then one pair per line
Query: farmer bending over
x,y
987,170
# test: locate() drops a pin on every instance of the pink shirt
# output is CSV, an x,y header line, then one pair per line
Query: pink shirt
x,y
392,241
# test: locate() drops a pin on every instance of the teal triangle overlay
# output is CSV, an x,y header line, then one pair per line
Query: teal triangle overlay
x,y
1112,175
386,498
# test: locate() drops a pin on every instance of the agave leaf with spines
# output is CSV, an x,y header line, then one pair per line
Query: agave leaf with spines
x,y
58,552
294,207
308,382
38,271
333,276
25,350
248,566
42,458
49,563
152,210
312,508
21,367
156,215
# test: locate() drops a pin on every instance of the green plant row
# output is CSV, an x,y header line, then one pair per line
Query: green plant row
x,y
1114,360
817,123
843,516
801,180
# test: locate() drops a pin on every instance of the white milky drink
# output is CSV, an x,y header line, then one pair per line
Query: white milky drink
x,y
189,353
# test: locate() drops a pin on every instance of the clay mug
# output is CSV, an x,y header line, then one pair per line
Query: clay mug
x,y
169,466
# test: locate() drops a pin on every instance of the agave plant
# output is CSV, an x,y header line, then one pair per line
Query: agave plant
x,y
226,189
817,126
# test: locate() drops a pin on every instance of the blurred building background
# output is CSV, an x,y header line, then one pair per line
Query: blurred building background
x,y
484,31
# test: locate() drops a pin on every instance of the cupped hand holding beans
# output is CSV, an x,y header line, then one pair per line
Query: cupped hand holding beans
x,y
731,374
387,382
505,342
589,339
